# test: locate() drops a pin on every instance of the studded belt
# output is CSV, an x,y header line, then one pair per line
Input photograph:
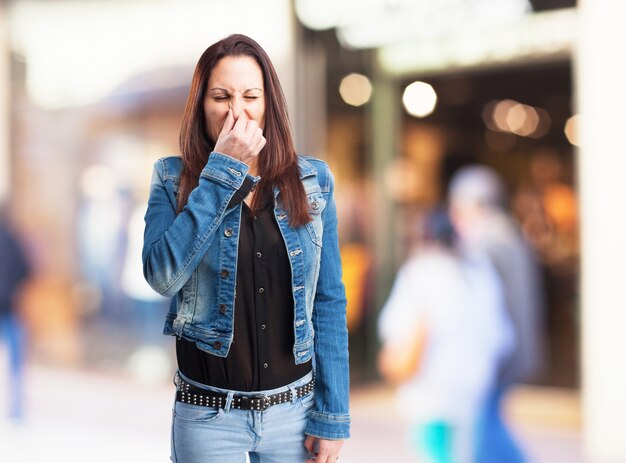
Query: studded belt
x,y
190,394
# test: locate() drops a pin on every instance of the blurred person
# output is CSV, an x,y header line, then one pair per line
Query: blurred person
x,y
14,271
150,360
101,220
449,307
243,233
477,208
146,306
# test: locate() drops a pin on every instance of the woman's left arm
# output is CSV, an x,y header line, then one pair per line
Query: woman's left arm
x,y
330,418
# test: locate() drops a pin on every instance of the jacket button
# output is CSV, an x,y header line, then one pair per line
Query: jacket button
x,y
315,205
228,232
222,308
261,290
217,345
224,273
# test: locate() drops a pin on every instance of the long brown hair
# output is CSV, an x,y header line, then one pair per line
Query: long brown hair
x,y
277,163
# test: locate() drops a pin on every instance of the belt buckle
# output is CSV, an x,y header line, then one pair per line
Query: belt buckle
x,y
257,403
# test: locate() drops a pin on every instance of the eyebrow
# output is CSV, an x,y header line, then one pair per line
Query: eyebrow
x,y
220,89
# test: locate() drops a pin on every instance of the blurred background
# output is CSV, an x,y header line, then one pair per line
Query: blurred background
x,y
396,95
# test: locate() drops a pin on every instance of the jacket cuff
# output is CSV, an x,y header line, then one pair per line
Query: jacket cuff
x,y
332,427
247,186
225,169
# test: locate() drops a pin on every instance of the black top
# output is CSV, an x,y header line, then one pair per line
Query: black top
x,y
261,355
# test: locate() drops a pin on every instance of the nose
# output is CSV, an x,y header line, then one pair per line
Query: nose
x,y
236,104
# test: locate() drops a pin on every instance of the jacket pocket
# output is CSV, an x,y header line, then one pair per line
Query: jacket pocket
x,y
315,227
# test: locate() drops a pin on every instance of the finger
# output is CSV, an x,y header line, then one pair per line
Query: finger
x,y
260,145
251,126
242,121
328,450
228,123
323,456
309,444
255,137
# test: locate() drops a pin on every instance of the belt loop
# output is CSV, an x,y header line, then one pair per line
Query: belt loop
x,y
229,401
294,395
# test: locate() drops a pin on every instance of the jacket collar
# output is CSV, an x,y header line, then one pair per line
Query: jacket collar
x,y
306,168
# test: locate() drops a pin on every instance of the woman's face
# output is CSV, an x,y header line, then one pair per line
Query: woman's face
x,y
236,82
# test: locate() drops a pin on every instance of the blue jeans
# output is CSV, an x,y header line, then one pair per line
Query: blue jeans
x,y
495,443
13,334
225,435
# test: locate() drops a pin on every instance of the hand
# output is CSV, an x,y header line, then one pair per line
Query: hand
x,y
323,450
242,139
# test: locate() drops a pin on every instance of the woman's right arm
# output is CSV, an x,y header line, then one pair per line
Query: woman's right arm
x,y
175,244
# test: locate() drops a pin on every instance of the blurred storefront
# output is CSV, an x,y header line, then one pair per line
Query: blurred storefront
x,y
501,93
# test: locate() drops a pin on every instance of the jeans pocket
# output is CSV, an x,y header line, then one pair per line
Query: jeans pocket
x,y
197,413
307,401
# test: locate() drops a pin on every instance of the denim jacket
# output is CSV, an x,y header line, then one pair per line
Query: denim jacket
x,y
192,257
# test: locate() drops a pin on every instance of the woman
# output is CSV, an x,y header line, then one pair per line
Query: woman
x,y
243,233
449,307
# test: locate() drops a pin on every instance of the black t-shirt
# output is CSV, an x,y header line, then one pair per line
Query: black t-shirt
x,y
261,355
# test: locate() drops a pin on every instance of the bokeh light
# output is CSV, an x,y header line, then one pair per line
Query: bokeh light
x,y
517,118
571,129
501,113
355,89
522,120
318,14
544,124
419,99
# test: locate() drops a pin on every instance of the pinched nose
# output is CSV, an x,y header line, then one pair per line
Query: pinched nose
x,y
236,105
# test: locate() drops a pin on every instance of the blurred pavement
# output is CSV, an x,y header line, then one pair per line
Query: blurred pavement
x,y
77,416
